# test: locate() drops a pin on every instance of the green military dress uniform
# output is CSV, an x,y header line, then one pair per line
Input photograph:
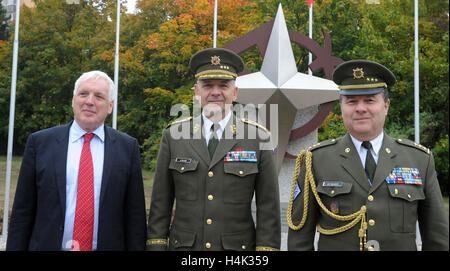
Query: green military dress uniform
x,y
392,209
214,196
352,213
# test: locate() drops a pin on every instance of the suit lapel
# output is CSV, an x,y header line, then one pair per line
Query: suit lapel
x,y
198,141
385,162
108,160
352,163
60,161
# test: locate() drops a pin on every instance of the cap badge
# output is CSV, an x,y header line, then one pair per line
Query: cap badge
x,y
215,60
358,73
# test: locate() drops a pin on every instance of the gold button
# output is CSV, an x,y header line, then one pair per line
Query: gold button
x,y
182,168
370,198
241,172
209,221
388,150
244,247
210,174
332,192
409,196
395,191
210,197
371,222
347,150
175,242
208,245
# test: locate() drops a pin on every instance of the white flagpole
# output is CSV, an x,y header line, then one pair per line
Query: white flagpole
x,y
215,25
310,35
116,67
11,123
416,72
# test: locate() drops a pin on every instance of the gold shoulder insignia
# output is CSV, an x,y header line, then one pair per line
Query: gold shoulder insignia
x,y
322,144
411,143
178,121
255,124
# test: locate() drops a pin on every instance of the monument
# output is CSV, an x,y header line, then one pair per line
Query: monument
x,y
294,120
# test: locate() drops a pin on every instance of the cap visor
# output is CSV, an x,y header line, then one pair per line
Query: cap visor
x,y
360,91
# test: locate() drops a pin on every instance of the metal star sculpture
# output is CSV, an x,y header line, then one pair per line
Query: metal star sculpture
x,y
280,83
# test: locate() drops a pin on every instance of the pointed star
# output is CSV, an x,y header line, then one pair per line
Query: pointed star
x,y
280,83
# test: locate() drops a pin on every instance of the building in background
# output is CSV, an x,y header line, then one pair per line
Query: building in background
x,y
10,6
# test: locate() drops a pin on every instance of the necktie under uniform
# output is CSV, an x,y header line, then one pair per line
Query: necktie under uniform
x,y
84,212
370,165
213,141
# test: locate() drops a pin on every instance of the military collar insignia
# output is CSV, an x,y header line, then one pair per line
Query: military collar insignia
x,y
215,60
358,73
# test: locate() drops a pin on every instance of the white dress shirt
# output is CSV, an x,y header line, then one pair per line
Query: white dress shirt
x,y
376,146
75,145
207,123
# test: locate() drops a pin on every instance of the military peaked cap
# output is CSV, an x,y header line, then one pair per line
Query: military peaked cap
x,y
362,77
216,63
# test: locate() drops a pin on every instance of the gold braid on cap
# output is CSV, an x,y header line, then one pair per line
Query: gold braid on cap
x,y
364,86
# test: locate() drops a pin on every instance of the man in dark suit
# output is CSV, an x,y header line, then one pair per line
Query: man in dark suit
x,y
213,172
370,189
80,185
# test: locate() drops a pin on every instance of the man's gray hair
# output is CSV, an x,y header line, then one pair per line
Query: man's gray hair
x,y
95,75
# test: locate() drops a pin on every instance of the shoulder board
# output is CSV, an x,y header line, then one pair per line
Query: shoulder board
x,y
255,124
411,143
322,144
178,121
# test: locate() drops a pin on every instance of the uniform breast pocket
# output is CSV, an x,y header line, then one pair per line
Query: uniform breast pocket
x,y
403,202
336,197
239,181
186,178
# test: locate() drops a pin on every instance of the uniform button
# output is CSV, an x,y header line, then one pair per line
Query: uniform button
x,y
371,222
332,192
182,168
241,172
209,221
370,198
395,191
210,174
208,245
210,197
244,247
409,196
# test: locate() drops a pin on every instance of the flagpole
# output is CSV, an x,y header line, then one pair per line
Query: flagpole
x,y
310,35
416,72
116,67
12,108
215,25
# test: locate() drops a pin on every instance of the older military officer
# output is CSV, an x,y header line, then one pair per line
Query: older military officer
x,y
366,190
214,172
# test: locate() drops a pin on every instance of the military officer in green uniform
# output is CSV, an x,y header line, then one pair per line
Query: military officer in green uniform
x,y
213,173
366,190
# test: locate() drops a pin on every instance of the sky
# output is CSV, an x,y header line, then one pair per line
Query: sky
x,y
130,5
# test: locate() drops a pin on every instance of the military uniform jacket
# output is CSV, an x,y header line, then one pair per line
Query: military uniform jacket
x,y
213,196
392,208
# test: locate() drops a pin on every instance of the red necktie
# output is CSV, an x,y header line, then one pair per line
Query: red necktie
x,y
83,227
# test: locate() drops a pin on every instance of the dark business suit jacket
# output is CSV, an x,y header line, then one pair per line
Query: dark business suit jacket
x,y
392,208
37,219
